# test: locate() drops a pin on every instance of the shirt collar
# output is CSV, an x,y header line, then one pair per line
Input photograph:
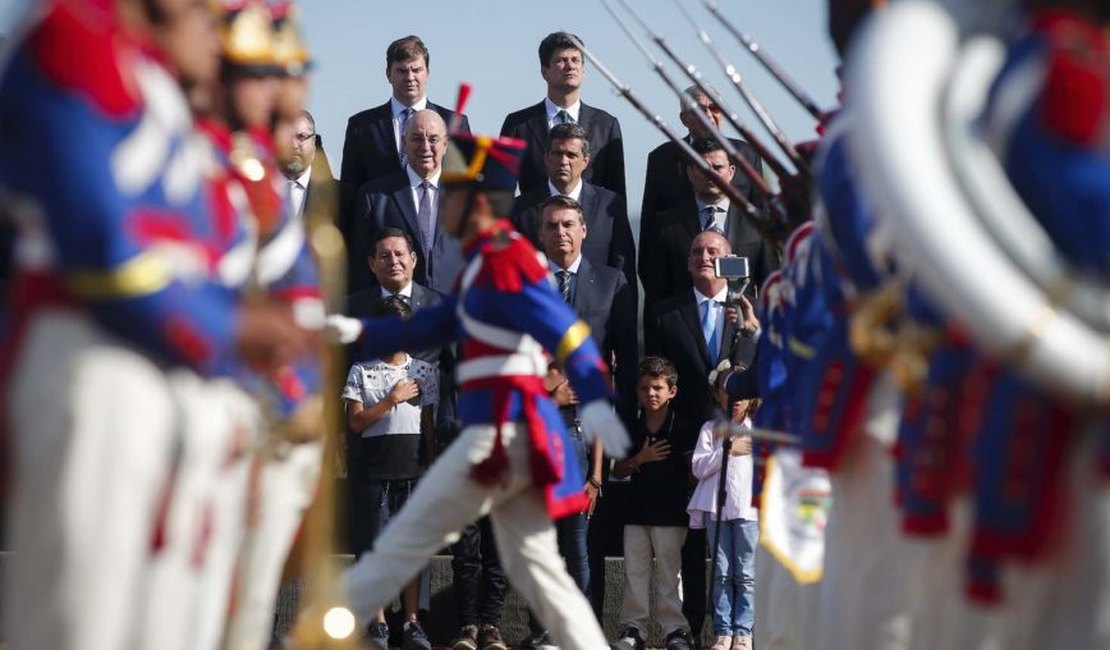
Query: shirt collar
x,y
303,179
405,291
415,180
552,110
575,192
723,205
397,107
721,296
573,268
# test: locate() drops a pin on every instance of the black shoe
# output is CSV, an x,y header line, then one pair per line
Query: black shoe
x,y
414,637
377,636
679,640
466,639
538,641
628,639
489,638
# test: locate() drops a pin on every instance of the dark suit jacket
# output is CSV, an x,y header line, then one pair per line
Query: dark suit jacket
x,y
667,274
608,233
607,303
667,185
676,334
388,201
370,152
606,167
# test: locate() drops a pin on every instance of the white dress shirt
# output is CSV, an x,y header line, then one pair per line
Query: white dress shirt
x,y
552,110
720,217
706,467
297,190
405,292
414,185
575,192
399,108
717,307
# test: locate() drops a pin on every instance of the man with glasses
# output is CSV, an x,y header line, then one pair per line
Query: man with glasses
x,y
307,153
409,200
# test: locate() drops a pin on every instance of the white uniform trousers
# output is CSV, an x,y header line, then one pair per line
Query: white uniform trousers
x,y
942,617
1063,601
785,610
286,487
190,574
863,599
94,423
645,547
447,499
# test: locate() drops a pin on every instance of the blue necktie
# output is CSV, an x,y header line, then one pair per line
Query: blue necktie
x,y
405,115
709,328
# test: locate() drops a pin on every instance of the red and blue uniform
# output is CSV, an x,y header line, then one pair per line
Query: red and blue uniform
x,y
125,236
505,314
1048,118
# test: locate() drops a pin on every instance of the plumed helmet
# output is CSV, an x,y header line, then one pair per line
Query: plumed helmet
x,y
290,52
488,163
246,36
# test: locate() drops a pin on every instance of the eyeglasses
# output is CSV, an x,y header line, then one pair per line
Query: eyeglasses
x,y
302,138
433,140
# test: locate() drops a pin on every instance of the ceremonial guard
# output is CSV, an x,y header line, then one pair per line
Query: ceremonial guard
x,y
999,448
511,458
119,317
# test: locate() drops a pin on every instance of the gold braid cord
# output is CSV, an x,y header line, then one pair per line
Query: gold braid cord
x,y
325,622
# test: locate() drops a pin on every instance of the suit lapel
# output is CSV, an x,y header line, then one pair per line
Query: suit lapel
x,y
728,333
537,128
692,318
589,199
586,283
403,196
384,129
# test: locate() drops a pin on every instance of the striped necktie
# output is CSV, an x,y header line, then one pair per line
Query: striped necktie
x,y
563,276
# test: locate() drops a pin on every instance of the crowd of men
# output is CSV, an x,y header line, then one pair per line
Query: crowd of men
x,y
164,405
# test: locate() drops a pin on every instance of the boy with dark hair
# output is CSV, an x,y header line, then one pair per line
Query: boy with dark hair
x,y
656,520
390,402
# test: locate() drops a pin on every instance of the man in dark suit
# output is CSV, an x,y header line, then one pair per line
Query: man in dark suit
x,y
372,144
603,299
409,200
391,264
696,331
562,67
667,184
610,242
307,167
707,209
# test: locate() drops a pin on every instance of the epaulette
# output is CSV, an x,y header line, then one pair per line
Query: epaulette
x,y
509,265
81,49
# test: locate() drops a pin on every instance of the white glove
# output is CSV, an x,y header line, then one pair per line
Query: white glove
x,y
600,421
343,329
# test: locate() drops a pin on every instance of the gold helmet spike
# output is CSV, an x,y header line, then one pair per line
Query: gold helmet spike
x,y
290,52
246,35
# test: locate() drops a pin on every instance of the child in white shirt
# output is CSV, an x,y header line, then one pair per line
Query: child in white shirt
x,y
734,579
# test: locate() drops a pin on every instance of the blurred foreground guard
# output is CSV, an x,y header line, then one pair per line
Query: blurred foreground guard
x,y
121,324
1016,169
510,460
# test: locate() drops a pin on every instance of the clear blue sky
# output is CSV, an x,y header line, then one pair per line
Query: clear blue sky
x,y
492,44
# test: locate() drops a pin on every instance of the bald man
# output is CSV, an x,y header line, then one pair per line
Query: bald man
x,y
409,200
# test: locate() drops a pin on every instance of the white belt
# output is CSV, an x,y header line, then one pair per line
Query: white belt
x,y
501,366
